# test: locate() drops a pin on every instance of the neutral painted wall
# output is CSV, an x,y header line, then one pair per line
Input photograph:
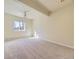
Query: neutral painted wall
x,y
58,27
62,23
10,33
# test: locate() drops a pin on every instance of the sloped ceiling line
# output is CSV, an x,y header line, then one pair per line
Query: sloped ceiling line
x,y
36,5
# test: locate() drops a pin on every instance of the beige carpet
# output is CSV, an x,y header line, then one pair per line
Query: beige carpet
x,y
36,49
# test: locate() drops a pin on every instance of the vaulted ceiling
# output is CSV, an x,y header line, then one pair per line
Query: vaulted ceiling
x,y
43,6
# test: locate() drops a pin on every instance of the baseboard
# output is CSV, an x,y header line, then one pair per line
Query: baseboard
x,y
8,39
61,44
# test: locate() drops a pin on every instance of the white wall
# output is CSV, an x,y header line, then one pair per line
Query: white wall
x,y
8,25
58,27
62,30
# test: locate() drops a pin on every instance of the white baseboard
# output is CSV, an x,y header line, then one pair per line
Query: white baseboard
x,y
45,40
61,44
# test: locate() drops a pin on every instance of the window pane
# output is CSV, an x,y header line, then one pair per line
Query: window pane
x,y
19,26
16,24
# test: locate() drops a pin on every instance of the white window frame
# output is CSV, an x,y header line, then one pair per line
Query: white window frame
x,y
19,25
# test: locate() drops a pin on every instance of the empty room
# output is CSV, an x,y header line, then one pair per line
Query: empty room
x,y
39,29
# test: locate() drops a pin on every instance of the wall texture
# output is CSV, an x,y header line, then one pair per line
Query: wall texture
x,y
10,33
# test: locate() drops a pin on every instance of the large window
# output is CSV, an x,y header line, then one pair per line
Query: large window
x,y
19,25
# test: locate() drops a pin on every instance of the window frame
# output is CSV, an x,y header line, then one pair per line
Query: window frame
x,y
19,27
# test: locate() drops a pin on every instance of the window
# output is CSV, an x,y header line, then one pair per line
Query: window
x,y
19,25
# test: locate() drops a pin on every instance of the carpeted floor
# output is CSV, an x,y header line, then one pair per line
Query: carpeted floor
x,y
36,49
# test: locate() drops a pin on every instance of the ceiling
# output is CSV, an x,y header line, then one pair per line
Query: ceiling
x,y
17,8
53,5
